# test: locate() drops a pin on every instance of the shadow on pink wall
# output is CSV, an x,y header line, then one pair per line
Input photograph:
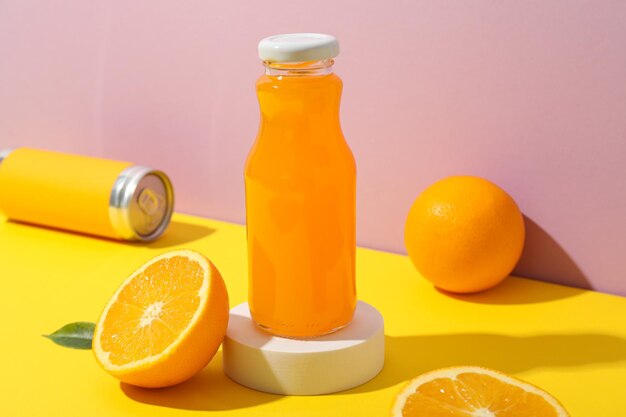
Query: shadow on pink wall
x,y
544,258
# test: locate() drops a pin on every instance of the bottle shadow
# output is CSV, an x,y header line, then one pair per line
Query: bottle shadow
x,y
210,390
408,356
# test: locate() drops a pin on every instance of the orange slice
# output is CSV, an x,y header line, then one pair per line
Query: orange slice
x,y
165,322
472,391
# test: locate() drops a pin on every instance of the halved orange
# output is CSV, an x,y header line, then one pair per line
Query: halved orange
x,y
165,322
471,391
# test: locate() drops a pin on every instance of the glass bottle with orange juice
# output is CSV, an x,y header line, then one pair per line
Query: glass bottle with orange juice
x,y
300,181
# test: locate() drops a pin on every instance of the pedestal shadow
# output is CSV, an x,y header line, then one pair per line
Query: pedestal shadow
x,y
408,356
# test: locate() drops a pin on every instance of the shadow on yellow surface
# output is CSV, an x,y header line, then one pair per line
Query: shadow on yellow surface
x,y
518,291
179,233
408,356
211,390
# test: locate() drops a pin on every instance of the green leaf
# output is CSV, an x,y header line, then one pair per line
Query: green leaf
x,y
74,335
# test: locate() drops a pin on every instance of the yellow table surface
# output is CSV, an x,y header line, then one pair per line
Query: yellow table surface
x,y
570,342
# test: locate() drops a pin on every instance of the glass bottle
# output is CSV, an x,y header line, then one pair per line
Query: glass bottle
x,y
300,179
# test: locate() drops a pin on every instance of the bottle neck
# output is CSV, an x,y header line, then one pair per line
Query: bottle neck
x,y
299,69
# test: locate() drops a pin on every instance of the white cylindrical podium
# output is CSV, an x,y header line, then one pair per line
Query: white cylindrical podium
x,y
326,364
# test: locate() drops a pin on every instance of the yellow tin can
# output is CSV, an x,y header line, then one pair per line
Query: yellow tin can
x,y
96,196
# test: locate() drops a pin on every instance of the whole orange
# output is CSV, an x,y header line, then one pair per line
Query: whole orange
x,y
464,234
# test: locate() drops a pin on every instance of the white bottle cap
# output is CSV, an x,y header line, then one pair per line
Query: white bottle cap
x,y
298,47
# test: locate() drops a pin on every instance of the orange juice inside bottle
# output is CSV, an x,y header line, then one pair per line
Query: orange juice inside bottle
x,y
300,202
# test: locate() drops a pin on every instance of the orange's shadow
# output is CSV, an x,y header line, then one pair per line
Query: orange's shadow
x,y
544,258
518,291
210,390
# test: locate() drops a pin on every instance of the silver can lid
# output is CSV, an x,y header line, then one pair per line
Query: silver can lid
x,y
141,203
4,153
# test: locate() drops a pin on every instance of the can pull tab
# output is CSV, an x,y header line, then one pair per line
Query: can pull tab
x,y
148,202
141,203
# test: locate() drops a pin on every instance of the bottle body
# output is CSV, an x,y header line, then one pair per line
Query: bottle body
x,y
96,196
300,202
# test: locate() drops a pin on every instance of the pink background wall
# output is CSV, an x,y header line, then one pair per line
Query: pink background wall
x,y
531,95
